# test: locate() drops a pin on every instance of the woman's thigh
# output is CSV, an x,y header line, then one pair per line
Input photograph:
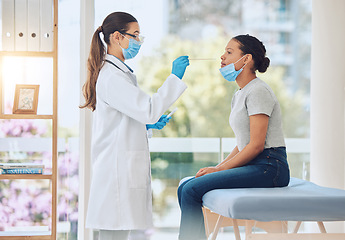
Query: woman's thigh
x,y
249,176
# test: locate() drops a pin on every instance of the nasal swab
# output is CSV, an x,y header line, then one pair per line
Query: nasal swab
x,y
172,112
202,59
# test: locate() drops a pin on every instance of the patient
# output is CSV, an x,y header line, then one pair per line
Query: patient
x,y
259,160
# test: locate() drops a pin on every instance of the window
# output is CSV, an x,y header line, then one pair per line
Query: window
x,y
201,29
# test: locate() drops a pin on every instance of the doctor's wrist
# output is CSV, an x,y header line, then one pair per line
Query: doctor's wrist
x,y
176,76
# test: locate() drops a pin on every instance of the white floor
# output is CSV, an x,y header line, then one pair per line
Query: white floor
x,y
160,235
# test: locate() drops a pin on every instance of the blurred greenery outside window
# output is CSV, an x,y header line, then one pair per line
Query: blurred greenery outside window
x,y
201,29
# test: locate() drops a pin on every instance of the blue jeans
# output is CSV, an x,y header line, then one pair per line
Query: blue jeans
x,y
269,169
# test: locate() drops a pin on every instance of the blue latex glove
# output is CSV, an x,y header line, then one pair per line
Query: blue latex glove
x,y
163,120
157,125
179,66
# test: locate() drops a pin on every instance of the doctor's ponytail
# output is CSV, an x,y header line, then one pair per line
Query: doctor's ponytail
x,y
94,65
116,21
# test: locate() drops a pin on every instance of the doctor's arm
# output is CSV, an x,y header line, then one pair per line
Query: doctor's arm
x,y
135,103
258,130
122,95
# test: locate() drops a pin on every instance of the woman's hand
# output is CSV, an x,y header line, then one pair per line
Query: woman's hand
x,y
206,170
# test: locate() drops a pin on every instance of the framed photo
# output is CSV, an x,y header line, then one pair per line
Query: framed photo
x,y
25,99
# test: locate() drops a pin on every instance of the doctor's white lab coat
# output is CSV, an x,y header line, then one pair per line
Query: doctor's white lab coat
x,y
120,194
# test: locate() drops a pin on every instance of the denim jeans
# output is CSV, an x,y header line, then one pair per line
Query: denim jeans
x,y
269,169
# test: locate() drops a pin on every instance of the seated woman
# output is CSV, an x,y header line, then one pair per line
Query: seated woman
x,y
259,160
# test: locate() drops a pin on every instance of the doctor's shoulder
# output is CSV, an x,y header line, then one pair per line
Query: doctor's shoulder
x,y
109,76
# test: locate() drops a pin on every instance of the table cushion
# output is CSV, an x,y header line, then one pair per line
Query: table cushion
x,y
300,201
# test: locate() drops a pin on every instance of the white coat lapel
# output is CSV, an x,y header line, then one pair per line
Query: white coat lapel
x,y
123,68
133,78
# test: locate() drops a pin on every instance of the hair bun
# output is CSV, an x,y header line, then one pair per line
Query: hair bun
x,y
264,65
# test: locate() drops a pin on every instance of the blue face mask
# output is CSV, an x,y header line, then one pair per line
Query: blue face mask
x,y
229,72
132,50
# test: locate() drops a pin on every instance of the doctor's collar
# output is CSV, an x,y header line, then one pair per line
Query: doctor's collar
x,y
122,63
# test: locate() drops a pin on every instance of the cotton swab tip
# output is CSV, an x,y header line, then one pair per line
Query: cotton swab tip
x,y
172,112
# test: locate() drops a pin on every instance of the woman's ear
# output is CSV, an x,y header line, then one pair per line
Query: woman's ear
x,y
248,58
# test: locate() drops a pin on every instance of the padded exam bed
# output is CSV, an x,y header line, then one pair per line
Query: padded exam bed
x,y
271,209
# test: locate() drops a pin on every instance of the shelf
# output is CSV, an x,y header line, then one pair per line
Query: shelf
x,y
51,174
27,54
25,116
41,237
25,235
26,176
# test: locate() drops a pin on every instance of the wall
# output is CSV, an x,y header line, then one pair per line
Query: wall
x,y
327,166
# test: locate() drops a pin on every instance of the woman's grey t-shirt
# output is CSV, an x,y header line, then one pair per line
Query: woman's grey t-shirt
x,y
256,98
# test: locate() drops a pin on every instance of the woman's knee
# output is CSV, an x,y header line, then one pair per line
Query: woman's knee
x,y
179,191
183,182
190,191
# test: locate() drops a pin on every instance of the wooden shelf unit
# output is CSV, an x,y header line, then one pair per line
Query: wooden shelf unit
x,y
26,176
28,237
51,235
25,116
26,54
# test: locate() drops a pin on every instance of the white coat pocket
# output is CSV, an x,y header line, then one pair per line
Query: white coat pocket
x,y
139,172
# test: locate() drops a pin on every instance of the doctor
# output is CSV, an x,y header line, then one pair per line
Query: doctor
x,y
120,194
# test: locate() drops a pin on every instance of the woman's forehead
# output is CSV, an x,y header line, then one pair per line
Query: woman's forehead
x,y
233,44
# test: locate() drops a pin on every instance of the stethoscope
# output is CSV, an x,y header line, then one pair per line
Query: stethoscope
x,y
114,65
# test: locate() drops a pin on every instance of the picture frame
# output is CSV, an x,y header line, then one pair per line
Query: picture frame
x,y
25,99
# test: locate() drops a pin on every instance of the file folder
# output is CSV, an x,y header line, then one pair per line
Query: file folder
x,y
7,25
33,25
46,25
20,25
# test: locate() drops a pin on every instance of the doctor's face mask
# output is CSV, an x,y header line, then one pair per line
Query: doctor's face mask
x,y
133,48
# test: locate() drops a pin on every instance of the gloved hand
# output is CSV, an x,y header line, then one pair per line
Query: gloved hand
x,y
163,120
179,66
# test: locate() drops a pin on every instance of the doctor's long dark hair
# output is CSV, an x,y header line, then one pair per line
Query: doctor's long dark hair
x,y
116,21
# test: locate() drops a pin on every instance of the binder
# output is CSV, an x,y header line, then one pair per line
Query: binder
x,y
20,25
33,25
8,25
22,171
20,165
46,25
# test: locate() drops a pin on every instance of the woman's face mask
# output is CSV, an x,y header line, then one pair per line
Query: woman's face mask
x,y
229,72
133,48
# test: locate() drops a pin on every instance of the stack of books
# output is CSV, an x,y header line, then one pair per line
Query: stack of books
x,y
21,168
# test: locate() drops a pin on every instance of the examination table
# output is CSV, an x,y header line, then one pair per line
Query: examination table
x,y
270,209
